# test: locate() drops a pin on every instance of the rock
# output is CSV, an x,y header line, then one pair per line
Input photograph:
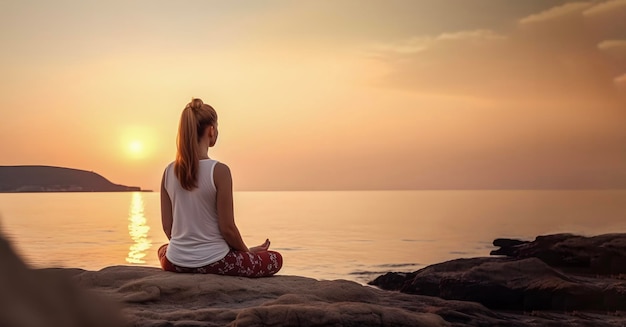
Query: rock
x,y
48,298
507,242
555,272
154,297
395,281
507,246
147,296
602,254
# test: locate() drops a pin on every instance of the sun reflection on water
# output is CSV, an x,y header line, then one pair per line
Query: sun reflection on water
x,y
138,230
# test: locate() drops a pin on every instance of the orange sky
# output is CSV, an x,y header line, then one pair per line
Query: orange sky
x,y
346,94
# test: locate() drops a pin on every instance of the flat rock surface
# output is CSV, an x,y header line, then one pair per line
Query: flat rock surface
x,y
152,297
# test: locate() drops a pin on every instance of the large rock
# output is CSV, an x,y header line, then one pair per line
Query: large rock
x,y
555,272
527,284
157,298
603,254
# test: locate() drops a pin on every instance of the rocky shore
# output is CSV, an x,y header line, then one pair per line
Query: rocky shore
x,y
556,280
577,276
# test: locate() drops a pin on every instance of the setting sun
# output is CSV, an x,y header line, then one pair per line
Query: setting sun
x,y
136,148
136,143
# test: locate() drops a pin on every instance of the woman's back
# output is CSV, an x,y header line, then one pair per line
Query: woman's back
x,y
196,239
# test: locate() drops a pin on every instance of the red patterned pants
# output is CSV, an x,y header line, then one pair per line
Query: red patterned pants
x,y
235,263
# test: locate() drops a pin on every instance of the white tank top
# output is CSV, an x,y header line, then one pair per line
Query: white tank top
x,y
196,240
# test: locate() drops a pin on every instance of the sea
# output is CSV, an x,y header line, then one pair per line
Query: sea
x,y
352,235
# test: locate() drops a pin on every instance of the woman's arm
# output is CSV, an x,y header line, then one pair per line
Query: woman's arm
x,y
166,210
225,212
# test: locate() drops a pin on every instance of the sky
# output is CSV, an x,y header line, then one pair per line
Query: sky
x,y
323,95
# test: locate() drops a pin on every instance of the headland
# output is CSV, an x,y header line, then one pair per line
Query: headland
x,y
20,179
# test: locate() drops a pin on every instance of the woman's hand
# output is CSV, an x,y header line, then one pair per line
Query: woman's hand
x,y
261,248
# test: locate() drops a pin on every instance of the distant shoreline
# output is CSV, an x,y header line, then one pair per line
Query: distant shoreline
x,y
41,179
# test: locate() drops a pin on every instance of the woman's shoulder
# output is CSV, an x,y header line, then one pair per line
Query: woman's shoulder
x,y
169,167
210,163
221,173
221,167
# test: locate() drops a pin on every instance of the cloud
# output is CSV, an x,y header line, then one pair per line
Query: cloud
x,y
605,8
475,35
543,100
559,29
613,45
567,10
552,57
422,43
607,20
615,50
412,45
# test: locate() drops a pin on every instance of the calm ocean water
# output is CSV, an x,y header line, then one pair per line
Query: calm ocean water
x,y
325,235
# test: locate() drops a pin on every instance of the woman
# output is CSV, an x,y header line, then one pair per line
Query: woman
x,y
197,208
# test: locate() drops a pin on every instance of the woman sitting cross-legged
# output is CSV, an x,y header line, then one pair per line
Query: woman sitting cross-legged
x,y
197,208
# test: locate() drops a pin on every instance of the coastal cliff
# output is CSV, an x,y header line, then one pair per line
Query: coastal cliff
x,y
17,179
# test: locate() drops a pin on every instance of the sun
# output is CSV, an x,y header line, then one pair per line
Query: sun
x,y
136,143
135,149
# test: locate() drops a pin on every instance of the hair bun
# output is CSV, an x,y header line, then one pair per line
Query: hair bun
x,y
195,103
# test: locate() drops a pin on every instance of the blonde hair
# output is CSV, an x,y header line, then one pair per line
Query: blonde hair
x,y
194,120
